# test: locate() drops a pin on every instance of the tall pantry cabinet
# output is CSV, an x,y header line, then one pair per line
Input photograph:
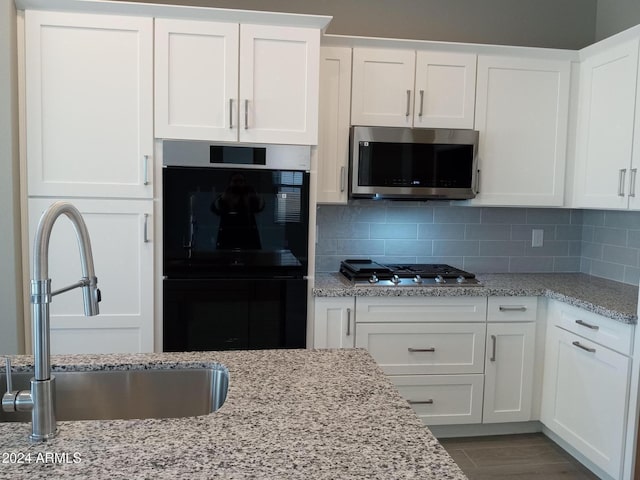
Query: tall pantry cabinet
x,y
89,141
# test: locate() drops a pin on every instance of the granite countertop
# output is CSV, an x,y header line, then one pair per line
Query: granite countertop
x,y
615,300
307,414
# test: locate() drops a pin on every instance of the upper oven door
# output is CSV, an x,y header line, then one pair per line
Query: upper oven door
x,y
235,222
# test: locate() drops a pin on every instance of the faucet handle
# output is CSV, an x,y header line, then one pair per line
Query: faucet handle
x,y
7,363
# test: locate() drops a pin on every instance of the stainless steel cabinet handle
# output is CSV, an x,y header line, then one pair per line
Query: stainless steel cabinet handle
x,y
421,103
514,308
408,103
348,322
588,325
493,349
478,181
246,114
342,179
587,349
421,402
145,233
414,350
231,113
621,179
145,170
632,187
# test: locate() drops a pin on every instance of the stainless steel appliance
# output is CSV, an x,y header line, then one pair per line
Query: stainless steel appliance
x,y
235,246
370,273
413,163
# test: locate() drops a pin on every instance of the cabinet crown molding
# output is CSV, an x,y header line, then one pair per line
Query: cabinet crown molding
x,y
178,12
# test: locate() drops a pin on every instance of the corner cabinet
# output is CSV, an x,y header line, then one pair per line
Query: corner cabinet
x,y
333,141
405,88
607,159
522,108
236,82
586,383
89,104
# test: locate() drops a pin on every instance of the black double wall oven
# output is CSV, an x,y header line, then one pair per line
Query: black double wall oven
x,y
235,246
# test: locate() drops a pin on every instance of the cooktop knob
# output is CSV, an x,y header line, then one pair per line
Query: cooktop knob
x,y
440,279
417,279
460,279
395,279
373,278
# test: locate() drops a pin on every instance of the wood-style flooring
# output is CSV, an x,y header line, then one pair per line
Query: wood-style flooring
x,y
522,457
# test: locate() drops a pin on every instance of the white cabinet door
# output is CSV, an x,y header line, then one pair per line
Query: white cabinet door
x,y
382,92
196,80
509,359
333,130
279,77
334,322
445,90
522,110
605,127
120,232
89,101
585,397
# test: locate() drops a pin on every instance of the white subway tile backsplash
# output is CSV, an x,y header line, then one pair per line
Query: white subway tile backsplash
x,y
481,240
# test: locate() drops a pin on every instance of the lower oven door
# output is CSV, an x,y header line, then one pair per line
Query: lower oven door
x,y
233,314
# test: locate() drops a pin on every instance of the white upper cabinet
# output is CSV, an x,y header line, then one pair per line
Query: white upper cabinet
x,y
445,90
89,103
196,73
230,82
605,173
333,130
402,88
522,107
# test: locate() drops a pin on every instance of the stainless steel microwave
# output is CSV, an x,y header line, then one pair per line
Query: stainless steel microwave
x,y
413,163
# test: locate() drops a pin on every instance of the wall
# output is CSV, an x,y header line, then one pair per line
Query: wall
x,y
613,16
475,239
539,23
11,340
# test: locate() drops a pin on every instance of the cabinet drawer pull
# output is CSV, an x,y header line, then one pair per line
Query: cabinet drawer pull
x,y
342,178
421,402
414,350
478,181
145,170
621,180
408,103
231,113
586,349
246,114
514,308
348,322
585,324
421,103
632,186
493,348
145,233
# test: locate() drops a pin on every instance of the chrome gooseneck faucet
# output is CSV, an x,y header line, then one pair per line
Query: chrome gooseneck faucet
x,y
40,399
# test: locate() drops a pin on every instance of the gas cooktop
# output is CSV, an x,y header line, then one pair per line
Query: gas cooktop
x,y
368,272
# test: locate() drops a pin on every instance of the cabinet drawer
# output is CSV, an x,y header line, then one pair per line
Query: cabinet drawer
x,y
607,332
512,309
443,399
439,348
421,309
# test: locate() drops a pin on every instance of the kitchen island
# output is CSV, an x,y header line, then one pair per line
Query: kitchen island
x,y
323,414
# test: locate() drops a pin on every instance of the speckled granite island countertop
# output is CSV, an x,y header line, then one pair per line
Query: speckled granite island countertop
x,y
289,414
615,300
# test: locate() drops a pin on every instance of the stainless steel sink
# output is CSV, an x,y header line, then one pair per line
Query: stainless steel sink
x,y
127,394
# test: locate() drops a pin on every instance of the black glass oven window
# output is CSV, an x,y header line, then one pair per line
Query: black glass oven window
x,y
415,165
245,218
237,155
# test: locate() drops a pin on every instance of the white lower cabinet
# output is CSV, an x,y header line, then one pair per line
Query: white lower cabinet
x,y
443,399
585,394
334,322
120,233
